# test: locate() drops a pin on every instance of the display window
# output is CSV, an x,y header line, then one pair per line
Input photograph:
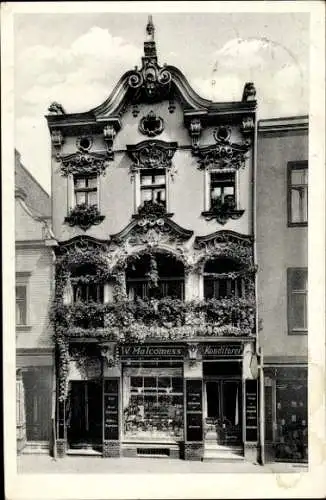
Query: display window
x,y
292,423
153,404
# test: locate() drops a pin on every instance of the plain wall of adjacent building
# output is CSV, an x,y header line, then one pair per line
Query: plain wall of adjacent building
x,y
278,246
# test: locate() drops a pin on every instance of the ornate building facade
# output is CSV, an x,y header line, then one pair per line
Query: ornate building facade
x,y
154,317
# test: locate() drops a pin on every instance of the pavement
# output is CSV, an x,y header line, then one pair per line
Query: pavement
x,y
44,464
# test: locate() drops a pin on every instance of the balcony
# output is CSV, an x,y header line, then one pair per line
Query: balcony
x,y
164,319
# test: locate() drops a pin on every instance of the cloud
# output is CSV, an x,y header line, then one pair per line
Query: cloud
x,y
80,77
281,82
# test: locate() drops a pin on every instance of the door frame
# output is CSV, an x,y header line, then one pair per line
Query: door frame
x,y
220,379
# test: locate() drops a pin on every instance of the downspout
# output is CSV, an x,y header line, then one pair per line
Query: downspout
x,y
259,351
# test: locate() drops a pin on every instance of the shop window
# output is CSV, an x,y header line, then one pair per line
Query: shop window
x,y
291,419
86,190
153,187
222,190
298,193
218,284
148,279
297,300
153,407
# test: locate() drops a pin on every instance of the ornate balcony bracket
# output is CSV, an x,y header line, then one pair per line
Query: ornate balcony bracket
x,y
84,216
223,214
82,163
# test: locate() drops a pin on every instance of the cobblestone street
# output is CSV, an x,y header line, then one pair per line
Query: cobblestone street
x,y
37,464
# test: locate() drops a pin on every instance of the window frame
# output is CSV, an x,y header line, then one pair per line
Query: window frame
x,y
71,198
22,279
290,292
295,165
136,178
151,187
207,188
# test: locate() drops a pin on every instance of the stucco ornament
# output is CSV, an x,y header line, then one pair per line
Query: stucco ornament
x,y
151,124
224,154
152,154
82,163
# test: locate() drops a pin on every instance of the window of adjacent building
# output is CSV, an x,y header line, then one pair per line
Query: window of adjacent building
x,y
21,305
217,284
170,278
298,193
222,189
85,189
153,186
297,300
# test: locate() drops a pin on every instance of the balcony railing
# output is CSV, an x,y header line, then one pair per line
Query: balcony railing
x,y
167,318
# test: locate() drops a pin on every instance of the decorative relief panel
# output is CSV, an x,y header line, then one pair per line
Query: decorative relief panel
x,y
152,154
151,80
224,154
82,163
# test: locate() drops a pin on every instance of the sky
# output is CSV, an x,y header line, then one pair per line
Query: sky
x,y
76,59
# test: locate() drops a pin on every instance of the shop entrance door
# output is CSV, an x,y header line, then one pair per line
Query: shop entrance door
x,y
223,416
84,415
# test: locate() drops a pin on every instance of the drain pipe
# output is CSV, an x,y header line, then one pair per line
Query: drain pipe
x,y
259,350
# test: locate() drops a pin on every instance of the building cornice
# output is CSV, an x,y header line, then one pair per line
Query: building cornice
x,y
283,124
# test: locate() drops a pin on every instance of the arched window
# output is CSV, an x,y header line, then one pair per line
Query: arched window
x,y
85,288
219,282
155,276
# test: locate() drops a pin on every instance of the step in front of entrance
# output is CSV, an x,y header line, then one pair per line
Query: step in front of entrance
x,y
221,453
36,448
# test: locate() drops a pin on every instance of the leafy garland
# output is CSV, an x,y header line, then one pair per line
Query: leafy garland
x,y
126,321
84,216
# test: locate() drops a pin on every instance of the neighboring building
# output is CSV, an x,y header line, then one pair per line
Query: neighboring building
x,y
34,338
282,241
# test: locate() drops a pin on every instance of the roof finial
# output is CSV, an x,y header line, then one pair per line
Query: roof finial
x,y
149,44
150,29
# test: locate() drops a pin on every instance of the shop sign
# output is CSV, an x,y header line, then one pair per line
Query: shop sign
x,y
222,350
152,351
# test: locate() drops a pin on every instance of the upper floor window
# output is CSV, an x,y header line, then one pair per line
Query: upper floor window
x,y
22,279
297,300
217,281
297,193
148,279
222,189
86,290
85,190
153,186
21,305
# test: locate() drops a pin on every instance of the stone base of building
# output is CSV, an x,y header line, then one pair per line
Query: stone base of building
x,y
111,449
251,452
193,451
61,447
